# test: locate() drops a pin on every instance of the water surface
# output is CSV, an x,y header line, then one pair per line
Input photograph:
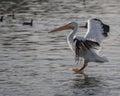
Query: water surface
x,y
35,63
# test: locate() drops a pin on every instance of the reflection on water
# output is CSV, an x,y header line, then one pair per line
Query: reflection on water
x,y
87,82
87,86
35,63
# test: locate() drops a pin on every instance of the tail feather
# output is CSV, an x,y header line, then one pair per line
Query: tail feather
x,y
101,59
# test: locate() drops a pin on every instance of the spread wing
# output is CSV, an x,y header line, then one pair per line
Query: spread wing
x,y
82,46
97,30
96,36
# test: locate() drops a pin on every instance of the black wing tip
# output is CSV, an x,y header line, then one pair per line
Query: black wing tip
x,y
93,42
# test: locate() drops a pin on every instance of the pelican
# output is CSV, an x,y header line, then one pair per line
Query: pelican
x,y
86,47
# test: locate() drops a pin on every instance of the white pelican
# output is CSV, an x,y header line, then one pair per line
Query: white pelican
x,y
85,47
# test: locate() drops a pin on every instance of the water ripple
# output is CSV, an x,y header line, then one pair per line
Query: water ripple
x,y
34,62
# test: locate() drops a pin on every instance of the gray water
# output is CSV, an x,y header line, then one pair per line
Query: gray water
x,y
34,62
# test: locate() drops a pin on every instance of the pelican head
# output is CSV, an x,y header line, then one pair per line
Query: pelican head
x,y
71,26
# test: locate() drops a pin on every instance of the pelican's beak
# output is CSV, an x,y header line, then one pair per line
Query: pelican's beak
x,y
67,26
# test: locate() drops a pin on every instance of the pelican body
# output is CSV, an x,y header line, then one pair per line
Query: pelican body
x,y
86,47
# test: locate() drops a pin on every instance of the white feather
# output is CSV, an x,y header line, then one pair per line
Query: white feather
x,y
94,31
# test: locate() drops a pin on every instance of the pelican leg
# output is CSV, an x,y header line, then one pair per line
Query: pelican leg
x,y
81,70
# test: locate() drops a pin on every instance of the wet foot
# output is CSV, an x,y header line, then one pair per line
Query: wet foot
x,y
76,70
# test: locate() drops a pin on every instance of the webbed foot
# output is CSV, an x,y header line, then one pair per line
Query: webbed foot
x,y
77,70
